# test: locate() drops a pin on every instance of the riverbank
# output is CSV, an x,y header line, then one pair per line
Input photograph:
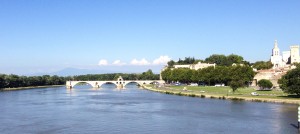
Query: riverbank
x,y
30,87
276,97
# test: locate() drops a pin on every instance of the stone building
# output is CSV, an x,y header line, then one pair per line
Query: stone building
x,y
197,66
281,64
287,58
276,58
294,54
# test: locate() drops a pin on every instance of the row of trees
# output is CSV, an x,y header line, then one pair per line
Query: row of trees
x,y
228,75
259,65
148,75
187,60
12,81
219,59
222,60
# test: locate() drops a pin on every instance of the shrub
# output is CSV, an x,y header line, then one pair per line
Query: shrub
x,y
265,84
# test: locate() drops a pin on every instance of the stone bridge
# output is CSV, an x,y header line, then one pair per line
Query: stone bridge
x,y
120,83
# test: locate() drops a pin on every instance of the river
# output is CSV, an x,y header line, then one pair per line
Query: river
x,y
82,110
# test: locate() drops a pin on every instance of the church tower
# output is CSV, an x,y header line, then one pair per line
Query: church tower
x,y
276,51
276,58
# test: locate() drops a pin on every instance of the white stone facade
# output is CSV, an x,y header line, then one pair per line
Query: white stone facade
x,y
197,66
295,54
276,58
288,57
285,56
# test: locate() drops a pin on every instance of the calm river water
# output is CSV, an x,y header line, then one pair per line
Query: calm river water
x,y
111,111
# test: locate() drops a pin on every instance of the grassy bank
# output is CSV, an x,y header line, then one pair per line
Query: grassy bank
x,y
274,96
31,87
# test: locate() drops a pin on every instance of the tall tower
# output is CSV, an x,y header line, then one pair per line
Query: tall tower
x,y
295,54
276,58
276,51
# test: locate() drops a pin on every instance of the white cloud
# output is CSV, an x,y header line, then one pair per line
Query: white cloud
x,y
118,63
103,62
140,63
162,60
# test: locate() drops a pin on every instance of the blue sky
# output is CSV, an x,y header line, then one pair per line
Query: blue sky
x,y
42,36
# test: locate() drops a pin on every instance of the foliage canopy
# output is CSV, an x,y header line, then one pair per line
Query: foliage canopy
x,y
265,84
290,82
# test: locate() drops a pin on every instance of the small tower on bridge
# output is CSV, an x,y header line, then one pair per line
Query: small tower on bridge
x,y
120,83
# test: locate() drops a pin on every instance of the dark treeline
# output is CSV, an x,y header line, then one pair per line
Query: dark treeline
x,y
187,60
211,75
148,75
223,60
13,81
219,59
259,65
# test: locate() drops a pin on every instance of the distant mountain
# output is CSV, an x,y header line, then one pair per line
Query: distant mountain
x,y
76,71
72,72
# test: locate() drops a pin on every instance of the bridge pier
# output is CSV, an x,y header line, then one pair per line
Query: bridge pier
x,y
69,85
120,86
96,85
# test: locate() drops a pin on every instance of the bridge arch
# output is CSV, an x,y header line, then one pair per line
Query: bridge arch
x,y
126,83
140,82
73,84
108,82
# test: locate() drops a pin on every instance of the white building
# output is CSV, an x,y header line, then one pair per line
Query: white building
x,y
276,58
295,54
288,57
197,66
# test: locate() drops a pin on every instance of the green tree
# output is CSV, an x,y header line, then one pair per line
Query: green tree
x,y
234,59
194,76
166,75
235,84
13,81
218,59
240,76
265,84
171,63
149,75
259,65
290,82
2,81
206,75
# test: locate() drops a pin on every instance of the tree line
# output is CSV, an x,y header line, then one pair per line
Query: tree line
x,y
290,82
148,75
223,60
13,81
229,75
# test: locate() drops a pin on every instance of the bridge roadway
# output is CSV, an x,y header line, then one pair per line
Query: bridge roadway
x,y
120,83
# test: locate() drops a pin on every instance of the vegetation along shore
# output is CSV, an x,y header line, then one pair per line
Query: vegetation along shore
x,y
243,94
30,87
